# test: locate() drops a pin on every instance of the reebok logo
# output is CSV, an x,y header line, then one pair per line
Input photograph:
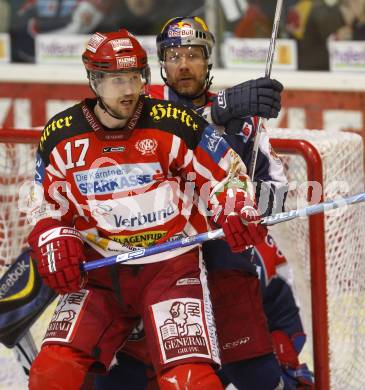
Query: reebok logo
x,y
12,278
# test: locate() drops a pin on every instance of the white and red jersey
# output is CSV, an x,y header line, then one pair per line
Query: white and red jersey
x,y
136,184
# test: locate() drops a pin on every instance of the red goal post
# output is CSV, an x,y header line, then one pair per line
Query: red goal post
x,y
308,156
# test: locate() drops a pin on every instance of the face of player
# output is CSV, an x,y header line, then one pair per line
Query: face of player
x,y
120,92
186,68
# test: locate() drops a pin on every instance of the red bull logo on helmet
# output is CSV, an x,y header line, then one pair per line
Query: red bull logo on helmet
x,y
180,30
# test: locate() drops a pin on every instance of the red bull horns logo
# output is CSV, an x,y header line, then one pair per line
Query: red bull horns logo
x,y
181,29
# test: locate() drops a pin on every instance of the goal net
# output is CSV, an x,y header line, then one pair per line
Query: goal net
x,y
327,253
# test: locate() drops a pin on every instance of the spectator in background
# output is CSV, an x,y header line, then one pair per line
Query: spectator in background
x,y
144,17
138,16
356,30
255,23
57,16
257,20
311,22
4,16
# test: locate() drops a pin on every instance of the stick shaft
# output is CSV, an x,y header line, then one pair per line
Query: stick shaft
x,y
274,34
269,62
199,238
153,250
314,209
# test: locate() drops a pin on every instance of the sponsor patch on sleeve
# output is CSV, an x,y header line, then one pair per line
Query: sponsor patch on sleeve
x,y
213,144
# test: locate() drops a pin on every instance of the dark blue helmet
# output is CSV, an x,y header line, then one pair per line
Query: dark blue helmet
x,y
185,31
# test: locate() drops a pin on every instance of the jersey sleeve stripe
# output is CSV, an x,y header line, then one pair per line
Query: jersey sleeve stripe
x,y
276,170
74,201
201,169
58,160
188,158
176,141
51,169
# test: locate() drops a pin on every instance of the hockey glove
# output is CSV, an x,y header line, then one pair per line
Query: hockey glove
x,y
59,251
287,349
240,226
259,97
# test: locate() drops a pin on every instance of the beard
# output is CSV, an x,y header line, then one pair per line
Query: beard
x,y
120,112
189,88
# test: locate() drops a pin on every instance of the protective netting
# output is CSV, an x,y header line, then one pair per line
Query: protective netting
x,y
17,162
342,160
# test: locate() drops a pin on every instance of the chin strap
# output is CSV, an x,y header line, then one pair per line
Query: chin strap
x,y
106,108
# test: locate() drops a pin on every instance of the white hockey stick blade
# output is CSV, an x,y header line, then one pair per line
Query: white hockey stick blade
x,y
314,209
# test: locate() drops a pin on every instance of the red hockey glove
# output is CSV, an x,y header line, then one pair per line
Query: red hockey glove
x,y
240,225
59,251
287,349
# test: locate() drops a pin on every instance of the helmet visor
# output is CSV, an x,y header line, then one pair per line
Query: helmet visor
x,y
174,55
117,84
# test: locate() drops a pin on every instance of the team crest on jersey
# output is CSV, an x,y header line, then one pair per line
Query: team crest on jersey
x,y
65,317
146,146
181,329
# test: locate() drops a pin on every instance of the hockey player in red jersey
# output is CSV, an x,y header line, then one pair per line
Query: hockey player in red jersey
x,y
184,48
121,163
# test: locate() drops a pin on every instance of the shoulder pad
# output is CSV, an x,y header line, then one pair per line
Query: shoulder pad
x,y
175,118
63,125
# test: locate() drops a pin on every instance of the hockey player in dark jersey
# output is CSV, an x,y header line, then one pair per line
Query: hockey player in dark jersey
x,y
184,48
120,163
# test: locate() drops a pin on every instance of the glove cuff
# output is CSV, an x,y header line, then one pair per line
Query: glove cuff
x,y
58,232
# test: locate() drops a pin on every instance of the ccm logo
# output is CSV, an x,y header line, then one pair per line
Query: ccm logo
x,y
236,343
222,99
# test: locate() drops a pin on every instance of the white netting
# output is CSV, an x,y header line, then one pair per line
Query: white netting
x,y
17,162
342,158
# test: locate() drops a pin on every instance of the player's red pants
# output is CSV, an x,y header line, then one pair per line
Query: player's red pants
x,y
170,296
59,367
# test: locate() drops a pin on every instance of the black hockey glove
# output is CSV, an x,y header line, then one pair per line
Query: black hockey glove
x,y
254,97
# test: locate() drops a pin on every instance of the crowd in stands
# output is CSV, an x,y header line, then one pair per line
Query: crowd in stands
x,y
310,22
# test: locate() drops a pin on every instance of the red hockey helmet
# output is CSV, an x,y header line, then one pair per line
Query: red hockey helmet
x,y
115,52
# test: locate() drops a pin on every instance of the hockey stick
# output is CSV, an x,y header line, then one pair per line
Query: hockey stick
x,y
269,62
199,238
